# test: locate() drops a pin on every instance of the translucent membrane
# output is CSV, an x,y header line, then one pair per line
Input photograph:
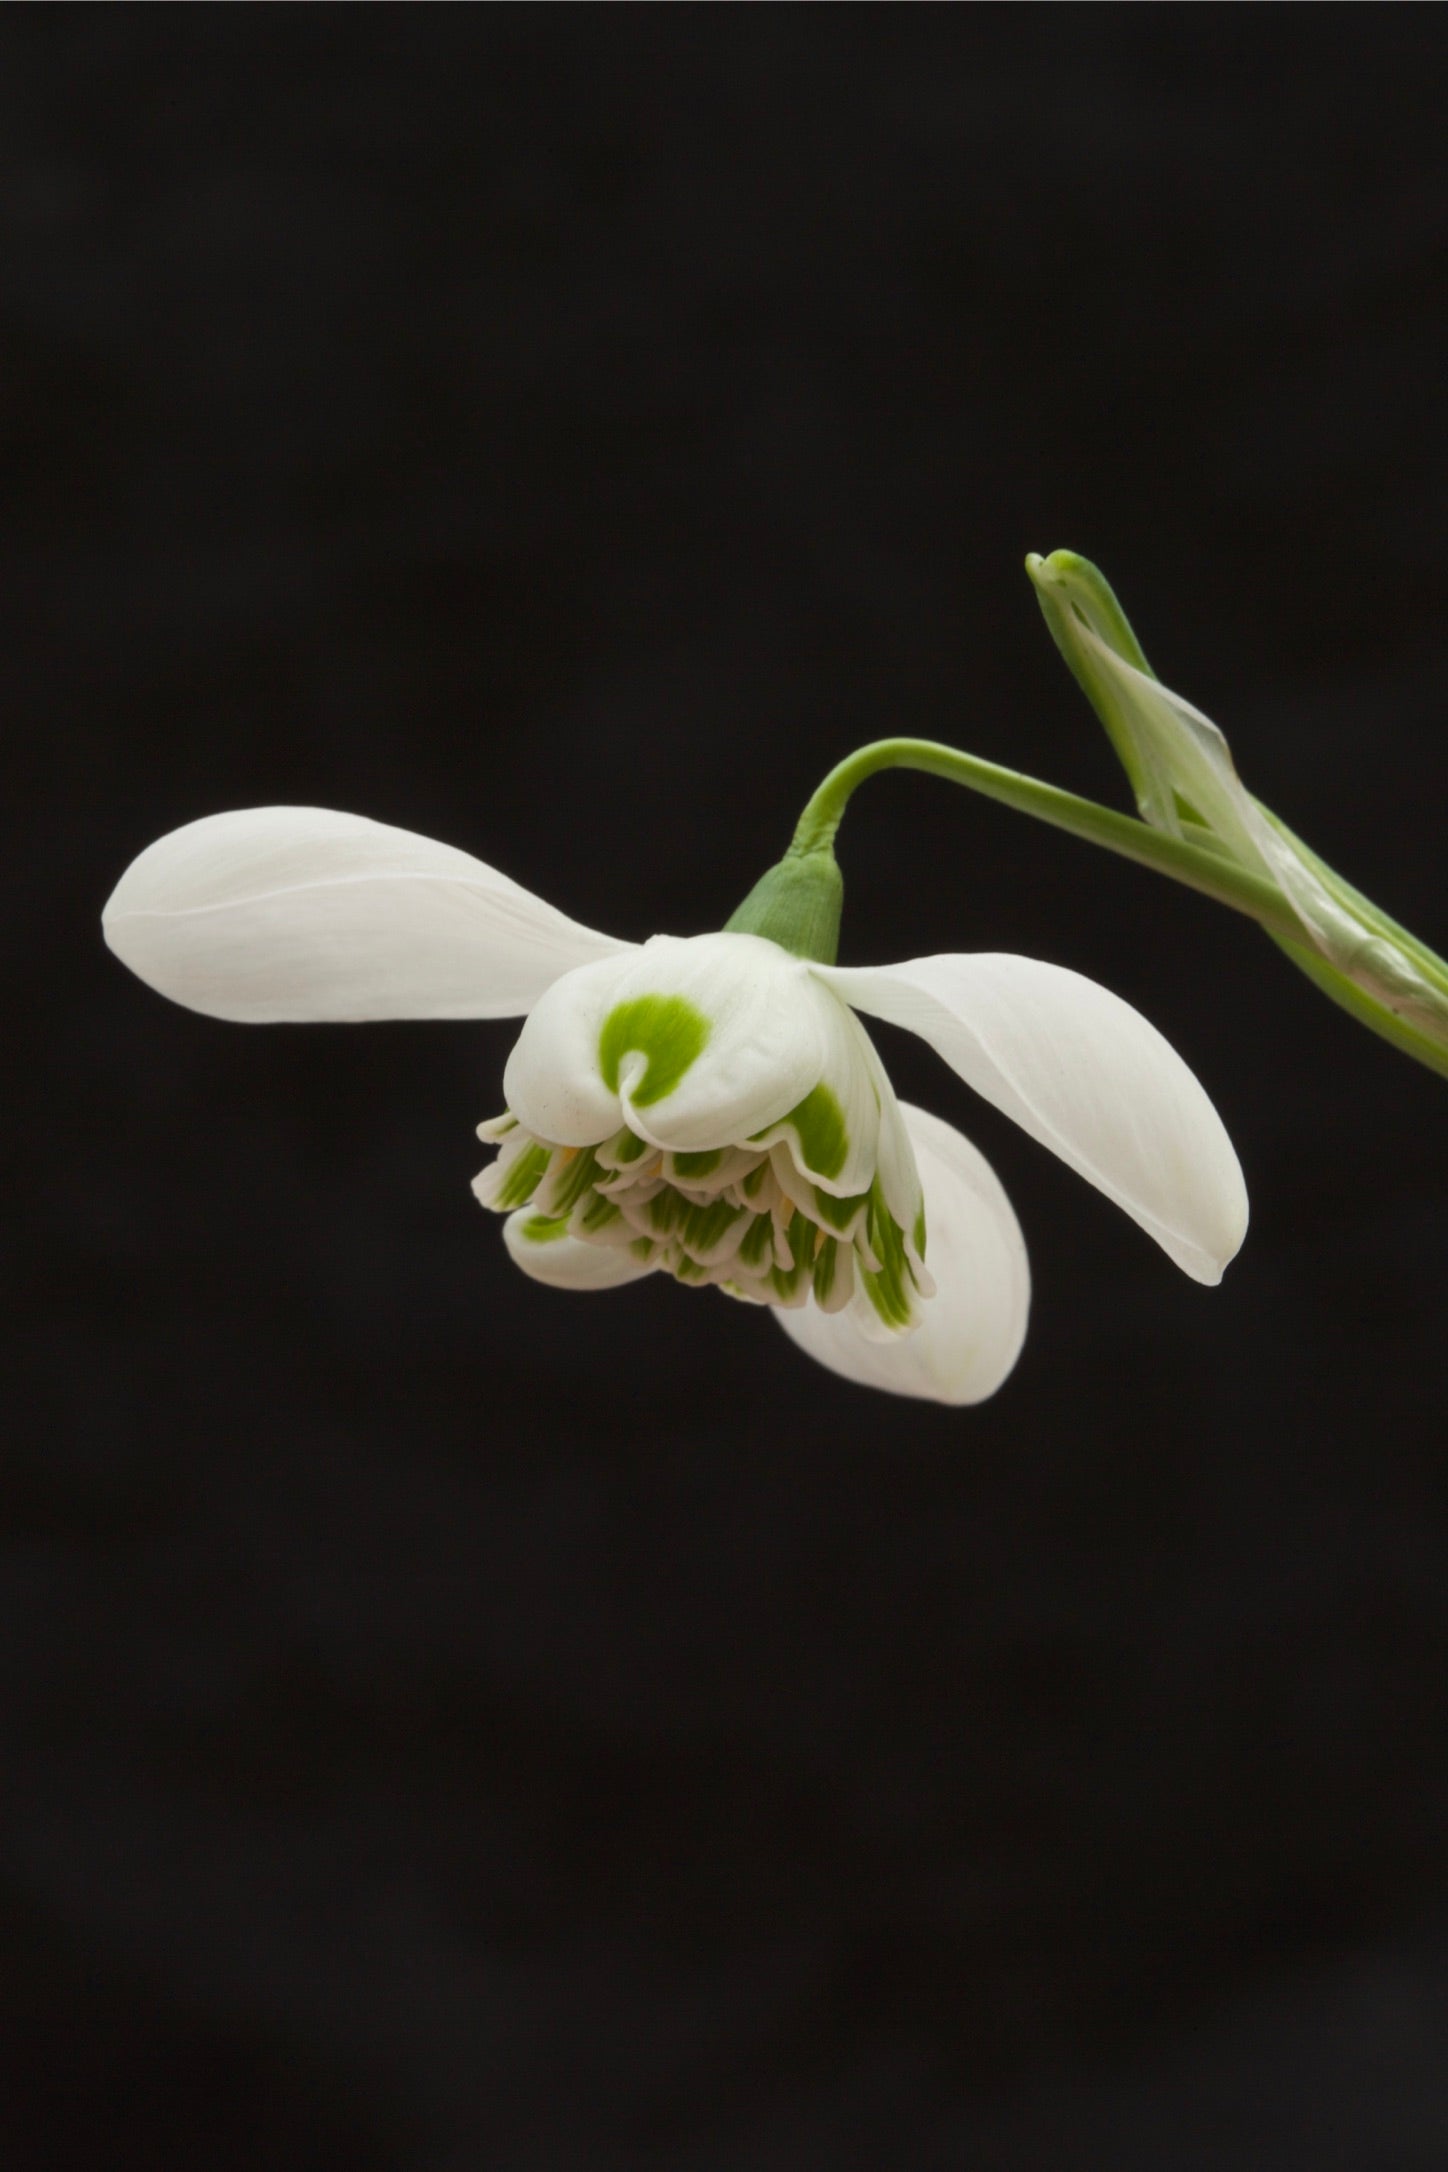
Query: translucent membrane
x,y
743,1219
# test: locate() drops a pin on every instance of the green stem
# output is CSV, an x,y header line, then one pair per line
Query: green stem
x,y
1375,1016
1200,870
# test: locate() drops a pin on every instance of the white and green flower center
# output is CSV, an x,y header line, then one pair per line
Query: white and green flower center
x,y
706,1107
743,1218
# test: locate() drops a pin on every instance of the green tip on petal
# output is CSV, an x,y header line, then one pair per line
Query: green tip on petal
x,y
544,1228
818,1122
690,1167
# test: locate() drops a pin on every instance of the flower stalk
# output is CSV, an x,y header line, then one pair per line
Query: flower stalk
x,y
1189,863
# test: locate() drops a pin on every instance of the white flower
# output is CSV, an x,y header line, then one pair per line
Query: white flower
x,y
710,1106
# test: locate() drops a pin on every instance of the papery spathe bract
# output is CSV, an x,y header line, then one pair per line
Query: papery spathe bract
x,y
1186,785
708,1107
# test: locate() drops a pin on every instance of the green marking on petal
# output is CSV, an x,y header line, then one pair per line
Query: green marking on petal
x,y
838,1213
819,1125
523,1179
627,1147
786,1281
826,1267
574,1179
600,1213
888,1297
919,1232
642,1248
666,1211
758,1242
666,1031
698,1165
889,1290
751,1184
703,1227
543,1228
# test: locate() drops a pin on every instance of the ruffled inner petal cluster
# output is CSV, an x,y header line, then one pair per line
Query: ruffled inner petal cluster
x,y
707,1108
747,1220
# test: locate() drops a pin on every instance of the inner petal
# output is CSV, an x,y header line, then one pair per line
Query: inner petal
x,y
746,1218
708,1038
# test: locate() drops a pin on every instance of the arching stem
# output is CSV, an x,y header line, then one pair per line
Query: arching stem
x,y
1195,865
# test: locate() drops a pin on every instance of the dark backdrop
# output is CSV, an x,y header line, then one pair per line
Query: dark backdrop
x,y
448,1725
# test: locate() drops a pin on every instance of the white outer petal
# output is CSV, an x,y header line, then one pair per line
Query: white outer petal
x,y
567,1263
971,1330
299,913
1087,1076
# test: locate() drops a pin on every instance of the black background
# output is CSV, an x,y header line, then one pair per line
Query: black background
x,y
448,1725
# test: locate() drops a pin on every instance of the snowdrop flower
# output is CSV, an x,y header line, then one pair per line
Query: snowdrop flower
x,y
710,1107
